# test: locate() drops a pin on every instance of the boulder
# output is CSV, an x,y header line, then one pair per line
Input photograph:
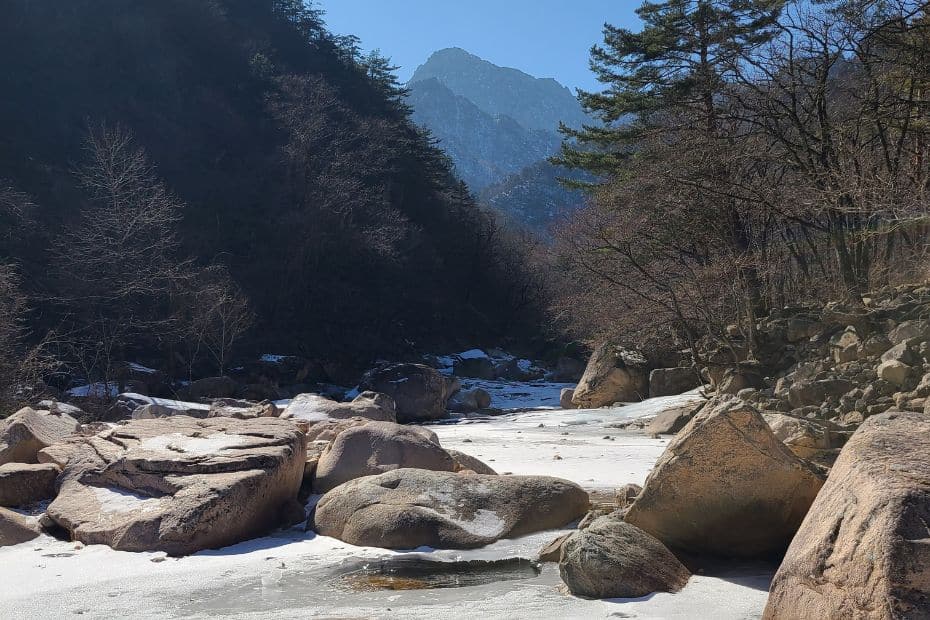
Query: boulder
x,y
376,448
210,387
22,484
862,549
900,353
128,404
242,409
467,463
568,370
726,486
27,431
420,392
613,374
613,559
474,367
744,377
16,528
910,330
671,381
466,401
670,421
808,439
409,508
894,372
368,405
154,411
874,346
804,392
180,485
845,345
552,552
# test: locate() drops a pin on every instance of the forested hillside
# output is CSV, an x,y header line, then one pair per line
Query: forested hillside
x,y
183,178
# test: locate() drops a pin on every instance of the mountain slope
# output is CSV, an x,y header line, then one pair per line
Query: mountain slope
x,y
535,103
484,148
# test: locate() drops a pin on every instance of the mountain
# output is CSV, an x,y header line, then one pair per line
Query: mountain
x,y
484,147
499,126
535,103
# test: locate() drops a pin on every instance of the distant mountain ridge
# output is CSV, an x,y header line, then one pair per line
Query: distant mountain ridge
x,y
499,126
535,103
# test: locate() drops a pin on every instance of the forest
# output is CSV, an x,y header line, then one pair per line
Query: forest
x,y
191,181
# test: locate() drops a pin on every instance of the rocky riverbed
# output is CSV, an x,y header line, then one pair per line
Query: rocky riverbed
x,y
294,573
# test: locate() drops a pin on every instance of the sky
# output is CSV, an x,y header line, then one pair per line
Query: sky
x,y
545,38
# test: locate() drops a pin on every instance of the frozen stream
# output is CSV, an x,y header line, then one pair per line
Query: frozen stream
x,y
294,574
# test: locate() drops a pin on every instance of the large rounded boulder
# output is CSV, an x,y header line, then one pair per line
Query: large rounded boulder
x,y
613,559
613,374
315,408
726,486
376,448
862,551
180,485
410,508
421,393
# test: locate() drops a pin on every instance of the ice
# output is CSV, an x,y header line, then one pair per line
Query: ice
x,y
95,390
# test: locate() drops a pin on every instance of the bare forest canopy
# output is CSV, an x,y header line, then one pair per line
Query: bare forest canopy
x,y
752,155
182,181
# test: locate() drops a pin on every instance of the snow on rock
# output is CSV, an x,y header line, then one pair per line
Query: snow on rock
x,y
472,354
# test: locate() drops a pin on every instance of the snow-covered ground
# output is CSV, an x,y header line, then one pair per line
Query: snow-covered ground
x,y
296,574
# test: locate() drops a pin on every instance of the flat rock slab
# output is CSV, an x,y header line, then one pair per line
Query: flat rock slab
x,y
181,484
16,528
410,508
863,550
22,484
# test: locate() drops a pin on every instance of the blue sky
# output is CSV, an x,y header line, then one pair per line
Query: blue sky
x,y
545,38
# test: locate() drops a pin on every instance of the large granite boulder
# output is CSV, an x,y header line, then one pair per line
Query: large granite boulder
x,y
27,431
242,409
613,374
22,484
409,508
726,486
181,484
671,381
467,463
613,559
809,392
670,421
368,405
376,448
862,551
421,393
16,528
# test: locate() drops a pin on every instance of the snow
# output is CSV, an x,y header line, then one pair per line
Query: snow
x,y
166,402
473,354
178,444
96,390
297,574
122,501
273,359
143,369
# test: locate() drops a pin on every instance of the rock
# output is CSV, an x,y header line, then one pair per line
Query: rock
x,y
180,485
799,328
736,380
670,421
468,463
845,345
894,372
627,494
154,411
27,431
900,353
862,550
613,559
22,484
565,398
16,528
409,508
726,486
368,405
211,387
242,409
568,370
552,552
805,392
909,330
874,346
806,438
127,404
466,401
613,374
474,367
519,370
420,392
671,381
376,448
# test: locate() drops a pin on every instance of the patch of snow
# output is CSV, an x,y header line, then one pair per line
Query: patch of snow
x,y
94,390
485,523
473,354
123,501
273,359
143,369
166,402
525,365
178,443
